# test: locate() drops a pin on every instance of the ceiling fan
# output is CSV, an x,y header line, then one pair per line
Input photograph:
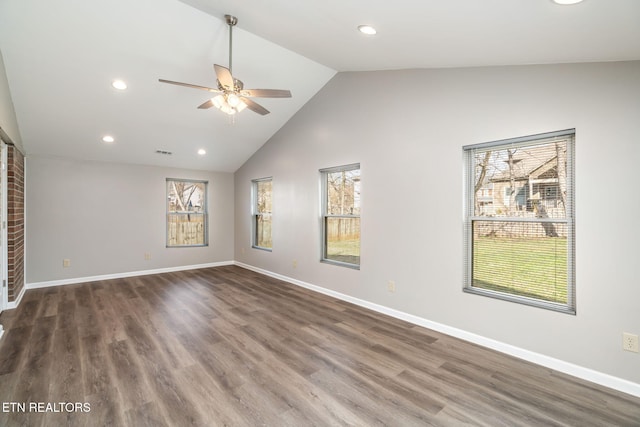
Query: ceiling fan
x,y
233,97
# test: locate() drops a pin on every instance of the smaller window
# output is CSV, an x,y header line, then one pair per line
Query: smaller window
x,y
186,213
262,195
341,215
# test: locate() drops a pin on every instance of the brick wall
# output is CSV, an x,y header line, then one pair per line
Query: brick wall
x,y
15,222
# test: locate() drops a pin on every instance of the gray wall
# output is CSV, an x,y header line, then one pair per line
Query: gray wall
x,y
407,129
8,121
105,216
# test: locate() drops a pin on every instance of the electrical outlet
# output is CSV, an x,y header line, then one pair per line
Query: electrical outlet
x,y
630,342
242,251
147,256
391,286
295,263
66,263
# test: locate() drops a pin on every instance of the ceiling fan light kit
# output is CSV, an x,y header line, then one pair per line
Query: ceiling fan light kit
x,y
233,98
230,104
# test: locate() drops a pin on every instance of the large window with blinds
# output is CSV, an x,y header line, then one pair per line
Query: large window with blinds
x,y
519,220
341,215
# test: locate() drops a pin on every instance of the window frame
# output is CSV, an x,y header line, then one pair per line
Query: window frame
x,y
204,213
469,217
324,203
255,214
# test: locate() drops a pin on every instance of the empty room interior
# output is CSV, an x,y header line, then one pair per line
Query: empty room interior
x,y
319,213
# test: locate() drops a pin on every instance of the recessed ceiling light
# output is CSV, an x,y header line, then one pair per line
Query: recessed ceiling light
x,y
108,138
202,151
367,29
119,84
566,1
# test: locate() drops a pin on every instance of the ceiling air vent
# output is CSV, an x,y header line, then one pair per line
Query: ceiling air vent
x,y
164,152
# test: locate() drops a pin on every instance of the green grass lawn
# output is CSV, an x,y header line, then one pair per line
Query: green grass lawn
x,y
531,267
347,250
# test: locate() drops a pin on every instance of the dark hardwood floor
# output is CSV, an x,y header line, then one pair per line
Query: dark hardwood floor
x,y
227,346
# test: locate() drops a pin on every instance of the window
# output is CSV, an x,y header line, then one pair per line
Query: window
x,y
341,215
186,213
262,193
519,244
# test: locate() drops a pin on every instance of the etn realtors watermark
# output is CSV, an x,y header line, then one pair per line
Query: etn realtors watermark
x,y
43,407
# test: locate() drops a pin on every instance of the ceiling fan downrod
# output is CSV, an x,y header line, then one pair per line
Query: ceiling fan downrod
x,y
231,22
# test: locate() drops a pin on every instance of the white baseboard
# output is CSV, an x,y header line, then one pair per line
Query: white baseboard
x,y
600,378
14,304
76,280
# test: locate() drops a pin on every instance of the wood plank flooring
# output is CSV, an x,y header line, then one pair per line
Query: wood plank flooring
x,y
227,346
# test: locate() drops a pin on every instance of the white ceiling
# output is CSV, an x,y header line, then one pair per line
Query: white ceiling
x,y
61,56
441,33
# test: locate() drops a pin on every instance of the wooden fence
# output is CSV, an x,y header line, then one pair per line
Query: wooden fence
x,y
185,230
519,229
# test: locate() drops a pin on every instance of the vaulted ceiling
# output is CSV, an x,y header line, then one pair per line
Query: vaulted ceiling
x,y
62,56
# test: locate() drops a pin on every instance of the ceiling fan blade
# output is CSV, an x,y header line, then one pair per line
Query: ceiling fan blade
x,y
208,89
255,107
266,93
207,104
224,76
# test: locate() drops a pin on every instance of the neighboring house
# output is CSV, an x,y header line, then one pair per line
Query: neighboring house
x,y
537,190
484,199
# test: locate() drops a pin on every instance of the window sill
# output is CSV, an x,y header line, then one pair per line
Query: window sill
x,y
340,264
522,300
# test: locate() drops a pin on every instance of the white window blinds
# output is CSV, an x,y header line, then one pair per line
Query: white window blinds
x,y
519,229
